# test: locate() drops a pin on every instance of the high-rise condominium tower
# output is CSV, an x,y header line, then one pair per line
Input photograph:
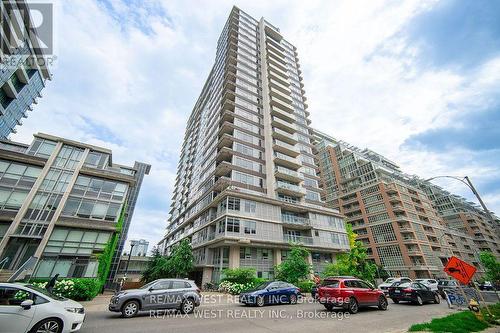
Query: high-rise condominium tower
x,y
247,183
392,216
23,67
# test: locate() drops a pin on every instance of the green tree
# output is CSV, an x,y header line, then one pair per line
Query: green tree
x,y
181,260
354,262
156,267
295,267
491,265
178,264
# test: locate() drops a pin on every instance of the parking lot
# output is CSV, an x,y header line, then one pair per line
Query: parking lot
x,y
220,313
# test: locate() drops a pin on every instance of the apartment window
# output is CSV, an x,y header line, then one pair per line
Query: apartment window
x,y
233,203
96,160
250,206
310,182
233,225
250,227
42,148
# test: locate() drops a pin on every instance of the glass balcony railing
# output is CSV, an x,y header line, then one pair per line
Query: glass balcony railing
x,y
290,187
298,239
290,219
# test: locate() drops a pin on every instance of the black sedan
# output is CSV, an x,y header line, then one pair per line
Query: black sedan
x,y
413,292
271,293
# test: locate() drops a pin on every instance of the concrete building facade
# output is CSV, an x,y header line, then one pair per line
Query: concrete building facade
x,y
247,183
139,247
23,66
61,202
394,218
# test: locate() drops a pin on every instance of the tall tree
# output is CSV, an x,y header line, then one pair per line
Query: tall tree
x,y
354,262
492,266
295,267
181,260
179,264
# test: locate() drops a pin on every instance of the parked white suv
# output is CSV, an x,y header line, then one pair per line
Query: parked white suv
x,y
387,283
26,308
430,283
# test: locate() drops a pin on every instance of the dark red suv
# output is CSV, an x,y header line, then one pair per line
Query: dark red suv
x,y
350,293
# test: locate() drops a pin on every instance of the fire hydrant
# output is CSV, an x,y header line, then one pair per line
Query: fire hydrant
x,y
473,305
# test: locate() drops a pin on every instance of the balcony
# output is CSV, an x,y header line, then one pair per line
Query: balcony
x,y
285,136
285,148
288,174
283,114
284,125
274,56
283,96
287,161
391,188
394,198
398,208
290,189
295,220
279,86
298,239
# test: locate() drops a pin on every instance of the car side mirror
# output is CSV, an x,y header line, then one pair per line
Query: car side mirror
x,y
151,288
26,305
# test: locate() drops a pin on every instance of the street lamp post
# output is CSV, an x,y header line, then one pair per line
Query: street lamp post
x,y
126,267
466,180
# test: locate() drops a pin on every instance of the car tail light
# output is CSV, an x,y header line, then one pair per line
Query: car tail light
x,y
407,290
198,290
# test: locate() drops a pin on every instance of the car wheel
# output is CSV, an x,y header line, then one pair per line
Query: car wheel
x,y
50,325
329,307
260,301
130,309
396,301
353,306
419,300
187,306
437,299
382,303
293,299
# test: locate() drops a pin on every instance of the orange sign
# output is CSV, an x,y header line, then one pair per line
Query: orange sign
x,y
460,270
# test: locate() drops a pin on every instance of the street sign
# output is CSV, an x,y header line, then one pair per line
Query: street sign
x,y
460,270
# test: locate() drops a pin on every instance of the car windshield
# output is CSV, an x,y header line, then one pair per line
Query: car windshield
x,y
402,285
46,292
419,280
147,285
389,280
444,283
331,283
263,285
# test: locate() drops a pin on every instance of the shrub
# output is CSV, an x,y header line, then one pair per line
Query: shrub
x,y
239,275
75,289
234,288
305,285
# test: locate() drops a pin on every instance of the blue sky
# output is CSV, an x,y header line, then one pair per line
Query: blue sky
x,y
417,81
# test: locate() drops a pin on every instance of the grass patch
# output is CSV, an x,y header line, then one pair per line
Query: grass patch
x,y
461,322
495,311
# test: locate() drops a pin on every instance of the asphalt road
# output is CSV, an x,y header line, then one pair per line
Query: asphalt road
x,y
220,314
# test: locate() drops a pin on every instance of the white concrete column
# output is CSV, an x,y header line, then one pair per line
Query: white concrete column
x,y
277,257
234,257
